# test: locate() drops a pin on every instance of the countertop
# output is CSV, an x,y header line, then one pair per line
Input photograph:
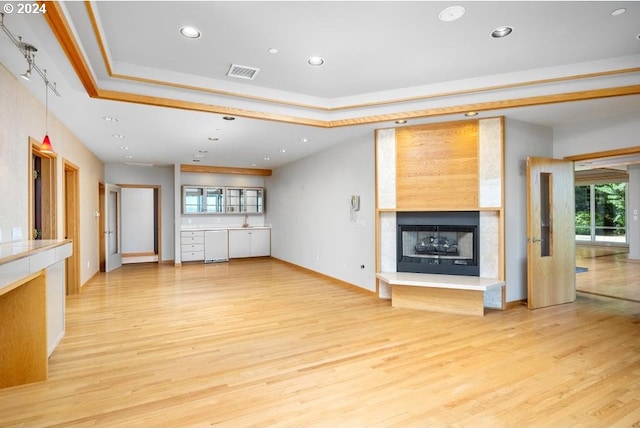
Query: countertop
x,y
10,251
205,228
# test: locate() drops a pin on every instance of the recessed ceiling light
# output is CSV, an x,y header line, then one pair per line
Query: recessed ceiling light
x,y
451,13
124,147
203,151
304,140
273,51
267,158
618,11
501,32
315,61
117,135
190,32
283,150
471,113
110,119
228,118
401,121
128,156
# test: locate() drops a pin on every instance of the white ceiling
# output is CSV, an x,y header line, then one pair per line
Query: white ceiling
x,y
375,53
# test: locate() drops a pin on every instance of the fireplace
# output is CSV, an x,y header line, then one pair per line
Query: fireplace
x,y
443,242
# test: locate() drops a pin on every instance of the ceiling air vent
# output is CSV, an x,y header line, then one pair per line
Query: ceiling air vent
x,y
242,71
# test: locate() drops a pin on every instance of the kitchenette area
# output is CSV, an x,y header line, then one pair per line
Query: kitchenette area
x,y
222,218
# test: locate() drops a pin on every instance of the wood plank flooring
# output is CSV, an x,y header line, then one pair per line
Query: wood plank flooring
x,y
610,272
260,343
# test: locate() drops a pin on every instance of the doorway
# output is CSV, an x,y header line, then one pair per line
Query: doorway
x,y
141,223
42,193
602,224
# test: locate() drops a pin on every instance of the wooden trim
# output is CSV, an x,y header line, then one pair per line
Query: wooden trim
x,y
205,169
604,154
327,277
515,304
72,224
60,28
109,68
140,254
493,105
56,20
94,24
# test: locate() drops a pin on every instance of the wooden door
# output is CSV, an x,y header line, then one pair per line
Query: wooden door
x,y
551,277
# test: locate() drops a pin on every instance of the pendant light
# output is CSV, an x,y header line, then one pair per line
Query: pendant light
x,y
46,146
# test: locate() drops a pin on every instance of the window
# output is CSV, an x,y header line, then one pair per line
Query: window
x,y
601,213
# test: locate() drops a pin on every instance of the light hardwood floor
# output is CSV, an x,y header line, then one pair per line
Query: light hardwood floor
x,y
261,343
610,272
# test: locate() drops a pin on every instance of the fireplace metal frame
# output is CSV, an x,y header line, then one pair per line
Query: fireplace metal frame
x,y
439,218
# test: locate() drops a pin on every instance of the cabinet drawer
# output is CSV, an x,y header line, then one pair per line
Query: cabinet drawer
x,y
192,247
189,256
192,240
191,233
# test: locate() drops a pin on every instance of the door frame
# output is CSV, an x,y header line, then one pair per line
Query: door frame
x,y
71,200
48,177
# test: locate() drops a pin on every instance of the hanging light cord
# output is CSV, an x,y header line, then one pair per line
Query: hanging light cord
x,y
46,104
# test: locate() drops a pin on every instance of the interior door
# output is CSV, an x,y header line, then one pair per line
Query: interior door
x,y
551,252
113,238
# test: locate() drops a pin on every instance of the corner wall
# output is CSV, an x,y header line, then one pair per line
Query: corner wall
x,y
308,207
21,117
522,139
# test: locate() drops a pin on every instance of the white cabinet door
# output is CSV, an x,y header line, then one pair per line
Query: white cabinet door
x,y
260,242
249,243
239,243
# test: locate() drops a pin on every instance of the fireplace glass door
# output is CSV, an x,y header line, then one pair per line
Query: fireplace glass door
x,y
439,249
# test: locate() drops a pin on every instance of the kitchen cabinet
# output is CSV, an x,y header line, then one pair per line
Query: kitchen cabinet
x,y
251,242
245,200
192,245
220,200
203,200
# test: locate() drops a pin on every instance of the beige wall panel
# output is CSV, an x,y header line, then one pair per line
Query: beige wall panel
x,y
386,168
431,160
490,162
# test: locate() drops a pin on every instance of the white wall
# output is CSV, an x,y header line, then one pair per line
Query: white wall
x,y
309,211
21,117
522,139
154,176
138,222
596,136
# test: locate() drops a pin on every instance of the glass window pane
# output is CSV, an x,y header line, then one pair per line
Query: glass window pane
x,y
583,213
610,212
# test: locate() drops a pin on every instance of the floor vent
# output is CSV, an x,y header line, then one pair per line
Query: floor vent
x,y
242,71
